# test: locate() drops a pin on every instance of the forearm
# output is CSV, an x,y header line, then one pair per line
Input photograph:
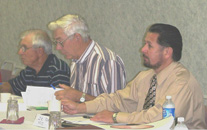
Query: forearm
x,y
102,102
81,108
5,87
89,97
71,107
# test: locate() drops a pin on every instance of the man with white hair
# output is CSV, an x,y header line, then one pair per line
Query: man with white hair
x,y
141,101
94,69
43,67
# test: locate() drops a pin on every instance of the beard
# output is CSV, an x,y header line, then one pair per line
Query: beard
x,y
148,64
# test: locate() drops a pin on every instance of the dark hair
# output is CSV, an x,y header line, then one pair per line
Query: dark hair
x,y
169,36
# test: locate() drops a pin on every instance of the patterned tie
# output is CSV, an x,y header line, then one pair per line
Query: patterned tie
x,y
151,95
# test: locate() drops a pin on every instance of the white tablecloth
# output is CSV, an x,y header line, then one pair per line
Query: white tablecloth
x,y
29,117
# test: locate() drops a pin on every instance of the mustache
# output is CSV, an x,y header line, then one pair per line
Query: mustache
x,y
144,56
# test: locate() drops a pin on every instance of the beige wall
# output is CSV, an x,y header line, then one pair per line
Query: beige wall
x,y
116,24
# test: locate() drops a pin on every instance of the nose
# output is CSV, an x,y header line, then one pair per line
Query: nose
x,y
20,52
58,47
144,48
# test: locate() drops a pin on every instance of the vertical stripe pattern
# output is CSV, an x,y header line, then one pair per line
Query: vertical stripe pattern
x,y
99,70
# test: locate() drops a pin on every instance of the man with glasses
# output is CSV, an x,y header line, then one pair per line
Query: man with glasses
x,y
43,67
166,76
94,68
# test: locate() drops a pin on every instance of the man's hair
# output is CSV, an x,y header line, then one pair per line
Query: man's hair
x,y
169,36
71,24
39,39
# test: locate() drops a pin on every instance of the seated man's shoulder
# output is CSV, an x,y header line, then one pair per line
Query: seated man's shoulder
x,y
143,74
106,54
58,63
184,76
181,72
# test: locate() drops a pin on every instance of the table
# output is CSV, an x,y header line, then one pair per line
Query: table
x,y
30,116
28,121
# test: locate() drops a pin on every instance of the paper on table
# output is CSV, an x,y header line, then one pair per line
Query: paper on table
x,y
79,119
164,124
38,96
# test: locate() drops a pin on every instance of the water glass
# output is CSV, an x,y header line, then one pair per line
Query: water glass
x,y
54,120
12,110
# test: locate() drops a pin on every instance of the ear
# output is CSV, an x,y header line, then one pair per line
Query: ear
x,y
77,37
168,52
40,51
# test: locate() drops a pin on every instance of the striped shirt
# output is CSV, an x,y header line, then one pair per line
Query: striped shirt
x,y
54,71
98,70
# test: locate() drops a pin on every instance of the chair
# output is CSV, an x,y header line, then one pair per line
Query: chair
x,y
16,71
6,71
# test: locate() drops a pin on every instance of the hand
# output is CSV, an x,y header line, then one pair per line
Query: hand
x,y
105,116
68,93
71,107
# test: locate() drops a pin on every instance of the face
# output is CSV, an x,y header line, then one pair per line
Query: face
x,y
30,56
69,47
152,51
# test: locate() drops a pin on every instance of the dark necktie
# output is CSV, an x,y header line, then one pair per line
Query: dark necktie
x,y
150,98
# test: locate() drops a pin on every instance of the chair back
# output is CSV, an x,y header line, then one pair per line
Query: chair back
x,y
16,71
6,71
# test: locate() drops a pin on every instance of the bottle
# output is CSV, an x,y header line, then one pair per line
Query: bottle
x,y
168,108
180,125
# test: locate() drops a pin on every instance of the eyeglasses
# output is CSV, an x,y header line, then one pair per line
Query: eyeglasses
x,y
61,43
24,48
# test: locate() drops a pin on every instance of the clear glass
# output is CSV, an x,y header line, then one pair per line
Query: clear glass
x,y
54,120
12,110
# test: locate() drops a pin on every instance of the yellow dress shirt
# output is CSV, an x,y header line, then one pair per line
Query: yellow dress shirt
x,y
175,80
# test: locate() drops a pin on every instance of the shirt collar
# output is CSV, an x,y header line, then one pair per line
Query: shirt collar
x,y
85,53
165,72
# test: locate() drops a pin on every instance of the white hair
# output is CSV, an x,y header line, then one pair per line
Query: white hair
x,y
71,24
40,39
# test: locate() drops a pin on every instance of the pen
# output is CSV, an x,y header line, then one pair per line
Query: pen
x,y
88,117
52,86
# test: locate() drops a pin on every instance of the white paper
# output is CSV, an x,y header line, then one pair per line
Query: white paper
x,y
39,96
164,124
41,121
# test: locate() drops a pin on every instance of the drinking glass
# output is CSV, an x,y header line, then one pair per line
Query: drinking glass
x,y
12,110
54,120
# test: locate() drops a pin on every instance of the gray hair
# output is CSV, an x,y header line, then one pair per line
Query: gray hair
x,y
71,24
40,39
